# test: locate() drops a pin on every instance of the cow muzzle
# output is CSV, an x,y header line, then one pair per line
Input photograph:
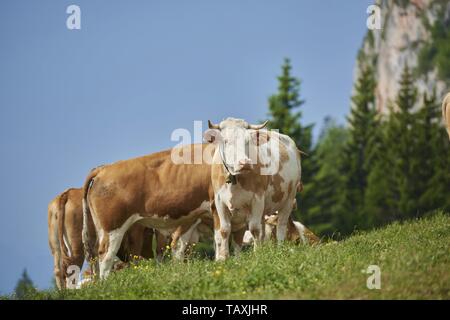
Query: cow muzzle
x,y
243,165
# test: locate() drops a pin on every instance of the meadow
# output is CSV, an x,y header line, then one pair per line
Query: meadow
x,y
413,256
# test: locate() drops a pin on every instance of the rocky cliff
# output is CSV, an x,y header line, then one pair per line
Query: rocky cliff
x,y
414,32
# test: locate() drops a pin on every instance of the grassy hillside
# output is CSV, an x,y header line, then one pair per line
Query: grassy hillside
x,y
414,258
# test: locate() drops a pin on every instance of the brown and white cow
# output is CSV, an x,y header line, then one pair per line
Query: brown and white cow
x,y
446,112
296,232
64,233
254,172
65,224
152,190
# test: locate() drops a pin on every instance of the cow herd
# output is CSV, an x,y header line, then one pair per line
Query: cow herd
x,y
241,191
238,187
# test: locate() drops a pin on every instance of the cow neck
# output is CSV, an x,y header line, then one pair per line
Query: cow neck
x,y
231,178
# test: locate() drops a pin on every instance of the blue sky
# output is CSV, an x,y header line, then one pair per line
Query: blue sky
x,y
73,99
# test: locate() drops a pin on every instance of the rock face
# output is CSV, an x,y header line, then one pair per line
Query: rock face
x,y
406,29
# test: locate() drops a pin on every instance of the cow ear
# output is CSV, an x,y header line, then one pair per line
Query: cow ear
x,y
260,137
212,136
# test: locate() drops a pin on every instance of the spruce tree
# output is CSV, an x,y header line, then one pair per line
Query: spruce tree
x,y
325,187
357,153
392,184
285,116
379,188
402,148
24,287
423,164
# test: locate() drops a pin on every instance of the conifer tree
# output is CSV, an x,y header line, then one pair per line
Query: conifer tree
x,y
24,286
379,188
323,216
357,153
402,148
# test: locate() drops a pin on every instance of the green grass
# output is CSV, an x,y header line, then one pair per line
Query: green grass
x,y
414,258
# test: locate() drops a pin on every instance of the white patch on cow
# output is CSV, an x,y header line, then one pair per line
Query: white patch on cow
x,y
222,234
235,198
67,244
248,238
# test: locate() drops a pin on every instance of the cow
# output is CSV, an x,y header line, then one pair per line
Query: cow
x,y
64,233
446,112
254,172
65,224
152,190
296,232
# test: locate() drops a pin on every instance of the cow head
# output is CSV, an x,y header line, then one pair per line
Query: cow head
x,y
237,143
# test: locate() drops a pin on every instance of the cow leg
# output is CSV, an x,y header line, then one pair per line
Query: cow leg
x,y
57,270
57,259
110,244
183,241
256,221
147,245
161,243
283,217
216,224
238,239
111,241
222,234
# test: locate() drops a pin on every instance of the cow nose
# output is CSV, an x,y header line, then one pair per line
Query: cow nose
x,y
245,164
245,161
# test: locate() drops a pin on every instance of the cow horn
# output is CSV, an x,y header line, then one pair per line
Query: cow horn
x,y
212,125
258,126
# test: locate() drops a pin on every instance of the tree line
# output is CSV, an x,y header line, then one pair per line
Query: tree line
x,y
378,168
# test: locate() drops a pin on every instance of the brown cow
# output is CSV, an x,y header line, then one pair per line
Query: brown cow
x,y
153,190
65,224
446,112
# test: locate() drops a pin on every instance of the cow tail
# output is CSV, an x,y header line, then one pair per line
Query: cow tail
x,y
61,207
86,236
